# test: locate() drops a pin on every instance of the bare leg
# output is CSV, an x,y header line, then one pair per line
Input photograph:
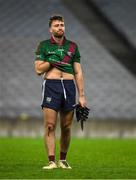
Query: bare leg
x,y
65,123
50,119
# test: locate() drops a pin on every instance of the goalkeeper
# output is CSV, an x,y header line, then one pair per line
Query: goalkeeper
x,y
58,60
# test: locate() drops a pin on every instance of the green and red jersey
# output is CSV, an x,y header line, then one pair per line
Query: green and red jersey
x,y
60,56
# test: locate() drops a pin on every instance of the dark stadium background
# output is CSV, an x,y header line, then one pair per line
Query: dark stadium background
x,y
105,31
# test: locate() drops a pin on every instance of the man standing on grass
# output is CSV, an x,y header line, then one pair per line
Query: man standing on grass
x,y
58,60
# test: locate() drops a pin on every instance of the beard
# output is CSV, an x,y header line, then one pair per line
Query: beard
x,y
59,35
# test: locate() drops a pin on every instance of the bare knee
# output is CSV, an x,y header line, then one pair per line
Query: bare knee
x,y
50,127
66,129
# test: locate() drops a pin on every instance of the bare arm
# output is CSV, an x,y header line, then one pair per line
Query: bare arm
x,y
41,67
80,83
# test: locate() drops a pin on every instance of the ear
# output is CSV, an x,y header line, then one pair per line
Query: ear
x,y
50,30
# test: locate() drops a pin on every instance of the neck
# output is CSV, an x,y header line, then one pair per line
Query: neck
x,y
58,40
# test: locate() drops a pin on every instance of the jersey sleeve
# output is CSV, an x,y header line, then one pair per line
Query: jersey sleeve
x,y
77,55
40,52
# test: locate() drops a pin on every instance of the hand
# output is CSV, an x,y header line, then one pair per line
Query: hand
x,y
82,101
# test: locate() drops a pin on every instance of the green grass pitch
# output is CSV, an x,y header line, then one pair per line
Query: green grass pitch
x,y
23,158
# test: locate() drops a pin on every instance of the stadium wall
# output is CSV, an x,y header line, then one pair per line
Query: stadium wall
x,y
93,128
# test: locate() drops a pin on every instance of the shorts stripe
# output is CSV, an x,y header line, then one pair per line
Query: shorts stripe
x,y
43,91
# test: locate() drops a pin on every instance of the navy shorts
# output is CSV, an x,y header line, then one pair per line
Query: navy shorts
x,y
59,95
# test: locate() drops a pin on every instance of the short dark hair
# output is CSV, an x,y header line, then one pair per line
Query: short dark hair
x,y
55,17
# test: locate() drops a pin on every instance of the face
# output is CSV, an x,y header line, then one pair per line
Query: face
x,y
57,28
